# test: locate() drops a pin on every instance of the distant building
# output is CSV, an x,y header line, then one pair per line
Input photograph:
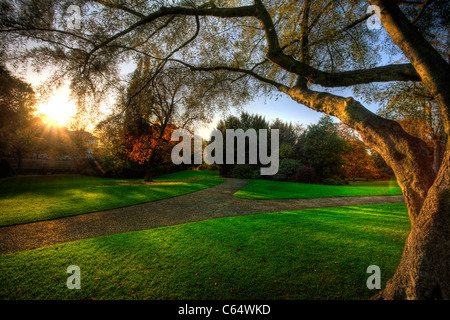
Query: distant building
x,y
41,156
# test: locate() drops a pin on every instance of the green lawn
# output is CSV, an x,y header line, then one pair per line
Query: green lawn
x,y
35,198
266,189
308,254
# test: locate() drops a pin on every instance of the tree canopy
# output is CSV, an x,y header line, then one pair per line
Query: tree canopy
x,y
302,49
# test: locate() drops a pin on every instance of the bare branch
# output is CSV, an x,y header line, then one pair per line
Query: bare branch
x,y
164,61
278,85
164,11
120,7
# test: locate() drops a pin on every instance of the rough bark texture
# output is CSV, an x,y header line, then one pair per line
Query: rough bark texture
x,y
405,154
424,270
437,152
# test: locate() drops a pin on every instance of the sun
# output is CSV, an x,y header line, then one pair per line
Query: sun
x,y
58,108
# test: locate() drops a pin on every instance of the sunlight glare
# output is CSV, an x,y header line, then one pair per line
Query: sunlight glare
x,y
58,109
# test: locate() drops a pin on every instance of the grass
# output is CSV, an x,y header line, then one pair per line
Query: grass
x,y
308,254
266,189
36,198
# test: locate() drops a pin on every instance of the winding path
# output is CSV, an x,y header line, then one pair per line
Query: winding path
x,y
214,202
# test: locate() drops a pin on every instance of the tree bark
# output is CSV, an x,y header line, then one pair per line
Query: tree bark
x,y
424,269
437,152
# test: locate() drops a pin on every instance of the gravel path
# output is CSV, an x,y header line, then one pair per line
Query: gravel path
x,y
214,202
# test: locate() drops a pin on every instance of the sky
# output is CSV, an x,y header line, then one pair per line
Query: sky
x,y
283,108
59,108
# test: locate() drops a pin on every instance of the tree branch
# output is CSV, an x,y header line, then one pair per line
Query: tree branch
x,y
164,61
380,74
400,150
276,84
120,7
164,11
397,72
432,68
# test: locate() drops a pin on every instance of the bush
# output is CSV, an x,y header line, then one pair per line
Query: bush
x,y
306,175
289,168
5,169
334,182
205,166
245,171
117,168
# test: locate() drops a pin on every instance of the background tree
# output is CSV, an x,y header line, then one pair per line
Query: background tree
x,y
20,129
157,101
245,121
411,105
323,149
79,144
358,160
295,47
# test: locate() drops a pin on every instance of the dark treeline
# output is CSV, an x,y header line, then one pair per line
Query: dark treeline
x,y
324,152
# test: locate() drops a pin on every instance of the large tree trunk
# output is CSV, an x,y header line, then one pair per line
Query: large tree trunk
x,y
424,269
437,151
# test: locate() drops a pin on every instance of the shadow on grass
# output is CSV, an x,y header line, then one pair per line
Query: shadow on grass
x,y
309,254
33,199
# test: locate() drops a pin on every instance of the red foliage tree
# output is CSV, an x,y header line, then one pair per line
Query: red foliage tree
x,y
153,146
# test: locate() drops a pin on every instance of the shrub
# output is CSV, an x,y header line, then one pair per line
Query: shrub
x,y
289,167
205,166
5,169
117,168
245,171
306,175
334,182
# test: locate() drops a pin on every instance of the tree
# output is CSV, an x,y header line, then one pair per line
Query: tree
x,y
297,48
358,161
289,135
157,102
412,106
245,121
323,149
20,129
150,148
79,143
